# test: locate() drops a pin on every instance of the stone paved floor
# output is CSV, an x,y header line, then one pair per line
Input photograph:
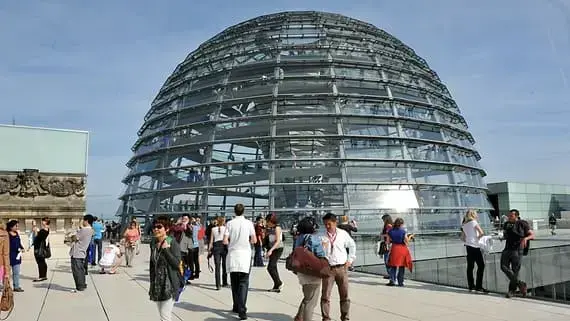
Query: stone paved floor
x,y
123,297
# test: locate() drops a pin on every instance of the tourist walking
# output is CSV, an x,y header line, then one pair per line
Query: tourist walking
x,y
16,249
194,252
131,237
400,256
239,237
552,224
335,242
516,234
385,249
98,229
310,285
78,253
182,233
165,275
259,236
471,234
42,250
275,250
220,252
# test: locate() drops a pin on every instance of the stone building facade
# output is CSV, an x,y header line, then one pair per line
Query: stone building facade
x,y
30,195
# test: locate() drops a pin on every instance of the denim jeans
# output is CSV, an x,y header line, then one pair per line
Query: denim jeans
x,y
16,275
386,257
397,274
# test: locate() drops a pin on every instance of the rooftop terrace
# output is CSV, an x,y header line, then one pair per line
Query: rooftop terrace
x,y
124,297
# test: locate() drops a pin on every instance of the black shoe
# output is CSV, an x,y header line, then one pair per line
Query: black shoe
x,y
509,295
39,280
243,316
390,284
482,290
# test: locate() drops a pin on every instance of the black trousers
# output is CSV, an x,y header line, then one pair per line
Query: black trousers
x,y
272,267
194,262
474,255
511,265
220,252
97,249
240,286
258,259
78,272
42,266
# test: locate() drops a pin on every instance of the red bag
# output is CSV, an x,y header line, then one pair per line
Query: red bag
x,y
201,233
301,260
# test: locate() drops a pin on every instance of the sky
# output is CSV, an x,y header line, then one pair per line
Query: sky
x,y
97,65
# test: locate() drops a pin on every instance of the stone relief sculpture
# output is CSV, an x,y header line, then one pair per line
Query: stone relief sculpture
x,y
29,183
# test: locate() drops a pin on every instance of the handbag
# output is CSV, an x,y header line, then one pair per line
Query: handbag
x,y
7,300
303,261
382,248
44,250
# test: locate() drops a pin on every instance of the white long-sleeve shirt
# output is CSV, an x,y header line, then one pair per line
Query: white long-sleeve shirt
x,y
335,245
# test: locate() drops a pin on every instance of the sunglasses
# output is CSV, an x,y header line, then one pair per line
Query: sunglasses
x,y
158,226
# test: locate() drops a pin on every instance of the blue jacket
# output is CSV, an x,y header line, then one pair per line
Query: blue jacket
x,y
313,244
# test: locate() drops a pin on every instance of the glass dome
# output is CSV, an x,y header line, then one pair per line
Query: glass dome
x,y
301,113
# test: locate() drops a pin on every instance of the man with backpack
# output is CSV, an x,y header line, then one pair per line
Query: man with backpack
x,y
517,234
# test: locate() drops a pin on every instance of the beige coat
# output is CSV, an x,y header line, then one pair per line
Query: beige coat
x,y
5,253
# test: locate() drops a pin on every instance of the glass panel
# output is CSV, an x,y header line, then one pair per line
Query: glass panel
x,y
304,71
370,127
303,54
250,107
431,174
306,148
307,126
398,197
153,143
408,94
208,81
242,129
200,97
157,126
258,73
348,55
360,73
427,151
421,131
362,107
248,89
411,111
305,106
375,172
308,196
361,87
302,87
372,148
438,198
456,138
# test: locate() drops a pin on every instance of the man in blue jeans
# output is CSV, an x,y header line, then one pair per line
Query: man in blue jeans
x,y
98,229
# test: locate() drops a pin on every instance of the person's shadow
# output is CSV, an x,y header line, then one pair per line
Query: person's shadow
x,y
228,315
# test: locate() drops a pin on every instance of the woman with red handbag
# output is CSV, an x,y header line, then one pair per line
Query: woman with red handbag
x,y
311,285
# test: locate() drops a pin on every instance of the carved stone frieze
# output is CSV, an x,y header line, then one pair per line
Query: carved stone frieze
x,y
30,183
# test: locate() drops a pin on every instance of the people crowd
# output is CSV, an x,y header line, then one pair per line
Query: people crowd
x,y
238,245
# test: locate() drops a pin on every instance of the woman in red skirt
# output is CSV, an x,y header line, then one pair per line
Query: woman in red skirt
x,y
400,257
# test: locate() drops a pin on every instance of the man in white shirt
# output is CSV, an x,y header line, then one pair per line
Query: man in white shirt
x,y
239,236
335,242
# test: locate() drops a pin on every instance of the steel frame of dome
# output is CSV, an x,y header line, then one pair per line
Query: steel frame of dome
x,y
300,112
